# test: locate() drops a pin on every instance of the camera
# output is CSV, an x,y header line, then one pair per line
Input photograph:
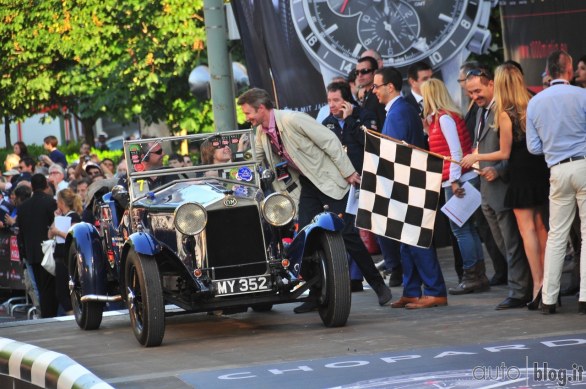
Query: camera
x,y
86,158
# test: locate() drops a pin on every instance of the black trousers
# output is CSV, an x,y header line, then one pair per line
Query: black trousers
x,y
312,201
46,285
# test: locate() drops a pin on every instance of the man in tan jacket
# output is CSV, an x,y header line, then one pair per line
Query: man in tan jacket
x,y
305,153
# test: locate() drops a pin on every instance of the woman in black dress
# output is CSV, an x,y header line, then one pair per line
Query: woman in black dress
x,y
528,174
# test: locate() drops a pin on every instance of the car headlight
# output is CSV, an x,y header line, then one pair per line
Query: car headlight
x,y
190,218
278,209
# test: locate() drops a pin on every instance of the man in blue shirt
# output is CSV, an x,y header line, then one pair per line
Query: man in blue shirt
x,y
420,265
556,128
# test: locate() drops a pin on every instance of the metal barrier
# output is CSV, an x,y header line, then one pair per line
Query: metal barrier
x,y
21,362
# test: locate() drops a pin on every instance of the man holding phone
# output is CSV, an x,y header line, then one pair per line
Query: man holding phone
x,y
345,120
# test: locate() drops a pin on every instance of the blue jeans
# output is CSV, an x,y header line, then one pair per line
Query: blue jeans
x,y
467,235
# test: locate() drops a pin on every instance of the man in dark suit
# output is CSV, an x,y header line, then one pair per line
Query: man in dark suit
x,y
417,74
493,187
499,263
365,69
420,265
35,216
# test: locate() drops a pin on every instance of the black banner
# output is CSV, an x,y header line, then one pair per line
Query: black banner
x,y
11,271
272,48
533,29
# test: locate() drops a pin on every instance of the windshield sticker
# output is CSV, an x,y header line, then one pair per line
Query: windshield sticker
x,y
244,174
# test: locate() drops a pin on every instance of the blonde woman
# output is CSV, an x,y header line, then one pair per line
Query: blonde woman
x,y
449,136
529,176
69,205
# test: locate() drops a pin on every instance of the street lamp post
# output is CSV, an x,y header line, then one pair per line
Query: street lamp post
x,y
220,66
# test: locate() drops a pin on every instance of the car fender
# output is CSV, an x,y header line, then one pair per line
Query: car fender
x,y
92,263
142,243
303,243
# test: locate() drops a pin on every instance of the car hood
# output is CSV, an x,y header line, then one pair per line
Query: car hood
x,y
207,193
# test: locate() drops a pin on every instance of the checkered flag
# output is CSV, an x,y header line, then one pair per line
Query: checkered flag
x,y
399,193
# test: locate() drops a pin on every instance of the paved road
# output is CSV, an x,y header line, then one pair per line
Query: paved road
x,y
379,347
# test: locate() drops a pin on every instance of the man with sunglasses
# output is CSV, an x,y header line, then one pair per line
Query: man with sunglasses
x,y
493,187
151,159
365,69
499,263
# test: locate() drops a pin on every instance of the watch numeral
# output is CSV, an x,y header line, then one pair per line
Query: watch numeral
x,y
346,66
435,58
465,23
311,39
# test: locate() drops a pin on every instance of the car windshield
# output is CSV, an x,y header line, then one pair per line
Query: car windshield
x,y
156,162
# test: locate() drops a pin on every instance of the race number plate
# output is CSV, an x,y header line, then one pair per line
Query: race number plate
x,y
242,285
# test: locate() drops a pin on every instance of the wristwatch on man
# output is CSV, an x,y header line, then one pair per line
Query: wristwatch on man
x,y
335,32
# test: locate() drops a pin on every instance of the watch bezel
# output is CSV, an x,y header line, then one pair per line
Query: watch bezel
x,y
323,54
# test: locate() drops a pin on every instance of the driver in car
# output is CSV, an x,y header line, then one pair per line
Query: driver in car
x,y
150,158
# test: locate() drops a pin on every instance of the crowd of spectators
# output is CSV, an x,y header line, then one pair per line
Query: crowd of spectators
x,y
32,193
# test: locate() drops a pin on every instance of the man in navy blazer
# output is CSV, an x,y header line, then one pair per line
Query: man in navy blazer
x,y
420,265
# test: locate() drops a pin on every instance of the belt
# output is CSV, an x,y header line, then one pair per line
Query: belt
x,y
571,159
292,187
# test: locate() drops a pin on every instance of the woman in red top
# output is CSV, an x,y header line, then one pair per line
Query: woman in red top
x,y
449,136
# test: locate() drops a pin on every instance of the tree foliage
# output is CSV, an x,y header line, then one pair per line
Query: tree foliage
x,y
102,57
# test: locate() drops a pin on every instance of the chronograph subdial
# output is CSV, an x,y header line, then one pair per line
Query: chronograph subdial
x,y
391,27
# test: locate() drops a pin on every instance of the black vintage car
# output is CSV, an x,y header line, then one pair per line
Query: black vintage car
x,y
205,237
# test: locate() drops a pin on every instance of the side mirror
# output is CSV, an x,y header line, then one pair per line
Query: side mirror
x,y
121,196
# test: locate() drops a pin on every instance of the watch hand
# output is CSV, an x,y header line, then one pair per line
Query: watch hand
x,y
344,5
386,9
390,30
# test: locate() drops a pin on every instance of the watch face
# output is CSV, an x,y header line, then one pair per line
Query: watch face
x,y
335,32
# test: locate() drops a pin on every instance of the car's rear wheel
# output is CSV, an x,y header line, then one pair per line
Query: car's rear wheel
x,y
88,314
335,298
145,299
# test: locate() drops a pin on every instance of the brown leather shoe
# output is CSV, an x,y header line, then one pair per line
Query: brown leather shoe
x,y
428,302
400,303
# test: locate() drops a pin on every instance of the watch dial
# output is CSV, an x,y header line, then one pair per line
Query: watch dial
x,y
391,28
335,32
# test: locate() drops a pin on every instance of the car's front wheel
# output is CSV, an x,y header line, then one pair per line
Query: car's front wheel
x,y
88,314
145,299
335,298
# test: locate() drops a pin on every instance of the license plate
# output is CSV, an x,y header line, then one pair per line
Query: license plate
x,y
242,285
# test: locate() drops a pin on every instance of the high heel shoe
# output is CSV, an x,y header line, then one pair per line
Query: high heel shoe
x,y
533,305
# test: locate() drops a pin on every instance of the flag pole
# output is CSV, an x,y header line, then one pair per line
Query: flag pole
x,y
444,157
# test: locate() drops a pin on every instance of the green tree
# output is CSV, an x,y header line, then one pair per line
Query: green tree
x,y
92,58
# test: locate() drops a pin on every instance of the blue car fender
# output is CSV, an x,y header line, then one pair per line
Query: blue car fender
x,y
325,221
142,243
91,260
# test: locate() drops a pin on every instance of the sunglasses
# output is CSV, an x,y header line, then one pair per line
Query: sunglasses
x,y
158,152
363,71
475,73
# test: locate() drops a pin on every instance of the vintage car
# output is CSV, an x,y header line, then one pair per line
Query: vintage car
x,y
202,238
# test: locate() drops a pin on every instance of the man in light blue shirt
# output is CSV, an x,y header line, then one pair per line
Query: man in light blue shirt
x,y
556,127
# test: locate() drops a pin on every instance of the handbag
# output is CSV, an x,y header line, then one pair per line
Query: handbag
x,y
48,247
